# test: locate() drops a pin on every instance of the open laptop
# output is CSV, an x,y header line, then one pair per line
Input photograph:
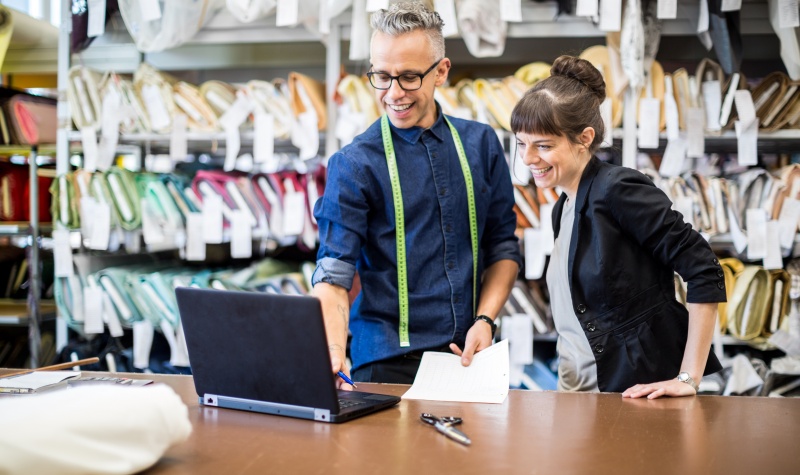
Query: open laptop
x,y
266,353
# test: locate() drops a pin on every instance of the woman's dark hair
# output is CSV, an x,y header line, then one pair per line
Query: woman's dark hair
x,y
565,103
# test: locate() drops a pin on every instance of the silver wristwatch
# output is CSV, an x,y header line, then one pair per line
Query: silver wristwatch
x,y
685,378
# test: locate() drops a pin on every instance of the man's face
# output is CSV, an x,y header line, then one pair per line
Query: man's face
x,y
407,55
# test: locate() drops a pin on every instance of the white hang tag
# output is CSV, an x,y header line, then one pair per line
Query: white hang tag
x,y
152,226
674,157
275,211
169,335
149,10
727,103
142,343
109,128
178,141
375,5
712,102
629,132
307,122
312,194
156,110
159,163
610,15
667,9
747,142
788,17
788,219
287,13
212,218
511,10
671,110
756,233
535,257
695,132
237,113
731,5
93,305
325,15
241,235
101,226
89,143
359,31
62,253
294,209
737,235
233,143
606,115
520,338
649,115
772,257
447,10
264,140
110,317
685,207
702,20
587,8
348,125
745,109
195,242
96,24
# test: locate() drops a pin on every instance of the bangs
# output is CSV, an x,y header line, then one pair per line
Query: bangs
x,y
535,114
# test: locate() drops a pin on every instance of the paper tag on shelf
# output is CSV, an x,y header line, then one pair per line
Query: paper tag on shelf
x,y
685,206
101,226
233,143
695,133
788,14
788,219
178,142
702,20
237,113
756,233
511,10
731,5
142,343
212,218
712,102
447,10
610,15
152,230
96,24
241,235
62,253
587,8
156,110
649,115
264,140
747,142
674,156
89,143
287,13
307,122
670,109
737,235
534,254
745,110
294,209
667,9
93,305
195,244
110,317
608,125
772,257
375,5
629,132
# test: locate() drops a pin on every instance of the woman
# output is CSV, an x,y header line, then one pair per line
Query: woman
x,y
618,244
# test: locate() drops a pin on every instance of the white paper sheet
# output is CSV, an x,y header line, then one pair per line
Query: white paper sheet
x,y
37,379
442,378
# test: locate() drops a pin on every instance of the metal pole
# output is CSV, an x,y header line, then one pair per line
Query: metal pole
x,y
34,273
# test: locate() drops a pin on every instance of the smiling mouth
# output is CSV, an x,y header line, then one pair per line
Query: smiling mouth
x,y
540,171
399,107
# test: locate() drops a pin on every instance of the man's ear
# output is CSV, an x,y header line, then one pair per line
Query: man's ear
x,y
442,71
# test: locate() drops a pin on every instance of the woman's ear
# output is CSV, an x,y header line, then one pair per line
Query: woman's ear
x,y
587,137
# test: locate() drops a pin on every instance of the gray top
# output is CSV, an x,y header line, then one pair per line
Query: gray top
x,y
577,369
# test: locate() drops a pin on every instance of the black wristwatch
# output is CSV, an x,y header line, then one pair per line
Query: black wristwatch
x,y
487,320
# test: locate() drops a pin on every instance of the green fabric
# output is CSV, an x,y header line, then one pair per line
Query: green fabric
x,y
65,185
125,198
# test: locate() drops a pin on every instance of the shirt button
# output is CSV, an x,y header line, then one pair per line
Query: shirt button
x,y
434,155
457,300
581,308
720,273
721,285
449,229
450,265
442,191
598,348
716,262
590,326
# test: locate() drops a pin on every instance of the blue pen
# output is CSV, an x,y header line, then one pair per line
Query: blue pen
x,y
346,379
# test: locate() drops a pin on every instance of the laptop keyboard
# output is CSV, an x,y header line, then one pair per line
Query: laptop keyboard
x,y
345,403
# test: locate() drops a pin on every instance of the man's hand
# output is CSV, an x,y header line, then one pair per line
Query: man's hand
x,y
338,358
479,337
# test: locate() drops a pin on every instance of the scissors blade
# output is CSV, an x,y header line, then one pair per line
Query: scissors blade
x,y
453,433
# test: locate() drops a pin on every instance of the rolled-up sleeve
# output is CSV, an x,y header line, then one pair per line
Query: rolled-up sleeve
x,y
499,241
341,215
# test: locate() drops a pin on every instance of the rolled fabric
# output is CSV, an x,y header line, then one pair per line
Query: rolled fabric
x,y
308,93
176,187
600,58
134,116
200,116
180,20
728,115
785,113
83,94
789,38
64,206
517,86
494,101
68,293
534,72
768,94
154,89
113,281
159,202
160,297
749,305
125,198
657,87
269,99
482,28
354,92
99,190
708,70
218,95
731,267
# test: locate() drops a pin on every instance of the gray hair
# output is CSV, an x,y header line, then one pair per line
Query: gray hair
x,y
405,17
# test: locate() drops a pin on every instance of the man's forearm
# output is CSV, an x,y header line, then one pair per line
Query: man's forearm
x,y
336,313
498,279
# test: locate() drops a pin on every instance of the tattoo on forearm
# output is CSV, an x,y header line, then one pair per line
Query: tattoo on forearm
x,y
343,313
336,347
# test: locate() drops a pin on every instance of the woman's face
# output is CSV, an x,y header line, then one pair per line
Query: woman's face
x,y
554,160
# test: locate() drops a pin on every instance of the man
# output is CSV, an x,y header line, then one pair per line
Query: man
x,y
416,199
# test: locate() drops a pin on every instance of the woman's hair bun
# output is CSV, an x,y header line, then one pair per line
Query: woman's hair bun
x,y
582,71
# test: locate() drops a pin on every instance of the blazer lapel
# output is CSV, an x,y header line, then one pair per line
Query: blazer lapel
x,y
587,178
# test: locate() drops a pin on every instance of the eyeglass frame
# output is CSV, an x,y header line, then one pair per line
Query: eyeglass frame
x,y
421,77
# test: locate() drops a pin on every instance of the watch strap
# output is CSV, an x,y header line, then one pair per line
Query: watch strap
x,y
487,320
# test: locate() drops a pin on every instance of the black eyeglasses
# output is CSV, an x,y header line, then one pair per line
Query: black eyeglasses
x,y
407,81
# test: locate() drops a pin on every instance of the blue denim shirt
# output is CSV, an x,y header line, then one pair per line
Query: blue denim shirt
x,y
357,232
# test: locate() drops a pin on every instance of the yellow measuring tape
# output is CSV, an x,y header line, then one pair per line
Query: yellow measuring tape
x,y
400,225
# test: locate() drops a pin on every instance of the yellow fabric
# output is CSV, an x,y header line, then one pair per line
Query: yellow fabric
x,y
316,93
494,101
218,95
200,116
599,57
532,73
83,94
358,97
145,77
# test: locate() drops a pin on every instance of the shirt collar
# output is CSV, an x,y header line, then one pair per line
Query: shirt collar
x,y
413,134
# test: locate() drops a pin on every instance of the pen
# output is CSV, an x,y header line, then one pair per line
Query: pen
x,y
346,379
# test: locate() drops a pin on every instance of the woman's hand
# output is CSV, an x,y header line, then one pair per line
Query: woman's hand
x,y
672,387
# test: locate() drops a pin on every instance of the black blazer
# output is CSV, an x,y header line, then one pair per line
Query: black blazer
x,y
626,244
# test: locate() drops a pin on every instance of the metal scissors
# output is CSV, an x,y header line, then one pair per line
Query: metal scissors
x,y
445,426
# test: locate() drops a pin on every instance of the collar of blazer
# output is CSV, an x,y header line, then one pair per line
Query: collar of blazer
x,y
587,178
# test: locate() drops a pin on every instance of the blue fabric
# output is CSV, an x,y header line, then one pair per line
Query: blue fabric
x,y
357,232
